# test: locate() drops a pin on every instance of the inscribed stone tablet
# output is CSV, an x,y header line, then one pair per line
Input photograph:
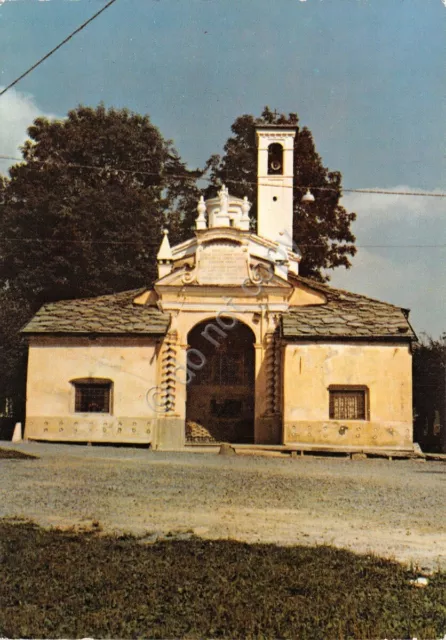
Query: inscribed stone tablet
x,y
222,263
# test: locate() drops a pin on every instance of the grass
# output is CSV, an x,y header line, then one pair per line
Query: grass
x,y
56,584
11,454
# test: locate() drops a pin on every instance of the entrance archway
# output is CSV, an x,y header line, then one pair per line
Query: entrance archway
x,y
220,394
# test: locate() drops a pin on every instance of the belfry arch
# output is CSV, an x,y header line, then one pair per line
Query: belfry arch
x,y
275,159
221,389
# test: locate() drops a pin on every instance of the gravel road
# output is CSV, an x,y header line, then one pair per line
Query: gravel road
x,y
394,508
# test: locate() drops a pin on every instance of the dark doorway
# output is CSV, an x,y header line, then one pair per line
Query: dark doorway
x,y
220,394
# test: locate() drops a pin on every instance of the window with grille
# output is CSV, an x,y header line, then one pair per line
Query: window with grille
x,y
348,403
225,369
92,396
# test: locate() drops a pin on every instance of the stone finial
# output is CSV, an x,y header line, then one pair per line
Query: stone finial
x,y
200,221
165,252
244,220
164,257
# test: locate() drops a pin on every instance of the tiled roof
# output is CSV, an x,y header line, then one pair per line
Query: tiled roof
x,y
110,314
345,315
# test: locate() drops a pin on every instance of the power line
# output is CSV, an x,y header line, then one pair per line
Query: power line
x,y
301,245
50,53
72,165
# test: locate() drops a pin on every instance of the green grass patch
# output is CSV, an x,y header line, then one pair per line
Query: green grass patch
x,y
56,584
11,454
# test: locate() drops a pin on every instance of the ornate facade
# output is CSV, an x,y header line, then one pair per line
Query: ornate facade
x,y
230,344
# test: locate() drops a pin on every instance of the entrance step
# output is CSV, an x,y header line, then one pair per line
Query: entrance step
x,y
296,450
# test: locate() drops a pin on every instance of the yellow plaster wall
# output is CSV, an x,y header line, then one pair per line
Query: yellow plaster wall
x,y
129,363
303,296
384,368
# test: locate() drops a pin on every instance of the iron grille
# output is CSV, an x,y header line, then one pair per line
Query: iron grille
x,y
92,398
347,404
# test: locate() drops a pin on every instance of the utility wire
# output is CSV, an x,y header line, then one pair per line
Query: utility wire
x,y
50,53
427,194
157,243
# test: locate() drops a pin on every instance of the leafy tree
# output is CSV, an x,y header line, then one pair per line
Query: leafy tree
x,y
82,215
13,354
321,229
429,393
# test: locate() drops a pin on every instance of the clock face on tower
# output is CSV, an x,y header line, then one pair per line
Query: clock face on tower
x,y
275,159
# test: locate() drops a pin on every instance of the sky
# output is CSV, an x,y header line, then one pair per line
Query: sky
x,y
368,77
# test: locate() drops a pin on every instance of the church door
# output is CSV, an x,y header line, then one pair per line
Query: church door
x,y
220,395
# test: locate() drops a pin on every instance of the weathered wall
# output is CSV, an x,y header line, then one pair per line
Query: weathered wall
x,y
384,368
129,362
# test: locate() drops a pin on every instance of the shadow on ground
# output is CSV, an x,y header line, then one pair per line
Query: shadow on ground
x,y
57,584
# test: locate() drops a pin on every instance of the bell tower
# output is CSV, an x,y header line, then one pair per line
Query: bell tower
x,y
275,145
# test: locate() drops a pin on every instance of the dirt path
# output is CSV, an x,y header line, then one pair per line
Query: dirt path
x,y
392,508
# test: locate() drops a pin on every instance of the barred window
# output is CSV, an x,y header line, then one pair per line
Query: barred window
x,y
92,395
348,402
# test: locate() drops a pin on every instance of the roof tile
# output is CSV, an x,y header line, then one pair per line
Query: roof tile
x,y
345,315
110,314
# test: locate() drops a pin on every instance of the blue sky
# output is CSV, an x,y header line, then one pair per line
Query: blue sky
x,y
368,77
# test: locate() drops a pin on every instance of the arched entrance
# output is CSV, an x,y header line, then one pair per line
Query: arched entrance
x,y
220,394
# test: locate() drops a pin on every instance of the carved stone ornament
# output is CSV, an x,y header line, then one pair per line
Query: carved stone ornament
x,y
201,209
223,195
257,277
189,276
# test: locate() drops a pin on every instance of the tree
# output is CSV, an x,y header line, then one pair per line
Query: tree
x,y
13,354
82,215
322,229
429,393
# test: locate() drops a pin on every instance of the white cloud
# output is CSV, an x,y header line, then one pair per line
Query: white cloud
x,y
17,112
401,255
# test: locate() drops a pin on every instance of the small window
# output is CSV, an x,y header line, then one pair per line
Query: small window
x,y
348,402
92,395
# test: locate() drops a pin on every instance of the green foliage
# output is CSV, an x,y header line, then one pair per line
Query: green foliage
x,y
322,229
429,393
64,585
14,311
82,215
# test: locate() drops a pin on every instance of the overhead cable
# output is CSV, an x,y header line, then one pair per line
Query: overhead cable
x,y
50,53
316,188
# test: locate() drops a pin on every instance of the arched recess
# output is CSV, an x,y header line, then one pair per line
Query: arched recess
x,y
220,393
275,159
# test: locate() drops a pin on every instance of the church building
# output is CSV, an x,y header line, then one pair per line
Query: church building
x,y
230,344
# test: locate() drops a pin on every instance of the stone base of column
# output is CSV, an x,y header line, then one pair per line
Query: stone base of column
x,y
269,429
170,433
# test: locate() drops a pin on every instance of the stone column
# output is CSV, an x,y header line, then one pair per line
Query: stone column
x,y
171,417
268,418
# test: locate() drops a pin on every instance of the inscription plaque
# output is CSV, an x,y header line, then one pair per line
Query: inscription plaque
x,y
222,264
